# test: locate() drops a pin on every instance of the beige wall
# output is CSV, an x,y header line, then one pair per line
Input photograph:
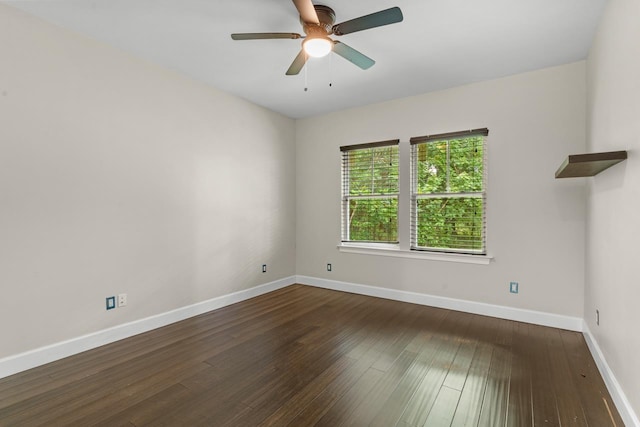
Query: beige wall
x,y
119,176
613,225
536,223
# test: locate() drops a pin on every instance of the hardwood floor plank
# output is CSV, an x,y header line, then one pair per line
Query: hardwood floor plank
x,y
142,393
402,333
364,412
277,376
419,405
219,401
304,397
457,374
393,409
444,407
472,396
345,339
304,356
297,369
334,391
496,395
154,406
264,375
588,382
356,394
570,410
520,411
545,407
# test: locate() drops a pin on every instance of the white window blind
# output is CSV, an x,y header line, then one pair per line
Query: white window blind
x,y
370,192
448,192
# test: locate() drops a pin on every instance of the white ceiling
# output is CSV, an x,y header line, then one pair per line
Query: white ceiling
x,y
440,44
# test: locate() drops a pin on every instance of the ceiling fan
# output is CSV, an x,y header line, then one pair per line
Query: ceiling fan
x,y
318,24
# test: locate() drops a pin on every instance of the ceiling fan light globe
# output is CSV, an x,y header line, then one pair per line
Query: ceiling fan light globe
x,y
317,47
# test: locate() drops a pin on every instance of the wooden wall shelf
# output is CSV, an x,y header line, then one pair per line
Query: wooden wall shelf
x,y
578,165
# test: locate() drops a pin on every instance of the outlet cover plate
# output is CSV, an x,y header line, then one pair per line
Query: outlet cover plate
x,y
122,300
513,287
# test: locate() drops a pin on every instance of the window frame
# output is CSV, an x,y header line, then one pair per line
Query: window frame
x,y
415,196
346,197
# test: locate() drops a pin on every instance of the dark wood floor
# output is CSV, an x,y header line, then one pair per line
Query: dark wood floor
x,y
304,356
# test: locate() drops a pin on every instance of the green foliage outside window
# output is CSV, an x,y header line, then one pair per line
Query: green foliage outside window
x,y
373,220
446,223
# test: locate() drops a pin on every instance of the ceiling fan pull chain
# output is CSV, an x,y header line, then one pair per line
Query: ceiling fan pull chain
x,y
306,84
330,70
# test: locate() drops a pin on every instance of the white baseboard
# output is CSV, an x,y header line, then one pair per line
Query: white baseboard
x,y
40,356
617,394
502,312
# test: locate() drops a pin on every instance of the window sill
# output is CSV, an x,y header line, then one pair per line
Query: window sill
x,y
395,251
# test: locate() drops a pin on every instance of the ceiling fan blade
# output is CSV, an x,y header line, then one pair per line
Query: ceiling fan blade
x,y
264,36
307,11
378,19
352,55
297,64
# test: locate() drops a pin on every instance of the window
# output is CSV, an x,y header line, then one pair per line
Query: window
x,y
448,192
370,192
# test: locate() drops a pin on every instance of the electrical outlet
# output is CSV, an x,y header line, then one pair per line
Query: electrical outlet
x,y
111,303
328,267
122,300
598,317
513,287
264,268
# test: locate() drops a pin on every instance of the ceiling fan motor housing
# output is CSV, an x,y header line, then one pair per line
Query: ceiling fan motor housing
x,y
327,18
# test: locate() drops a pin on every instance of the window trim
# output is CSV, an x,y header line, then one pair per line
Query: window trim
x,y
370,145
448,135
392,250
